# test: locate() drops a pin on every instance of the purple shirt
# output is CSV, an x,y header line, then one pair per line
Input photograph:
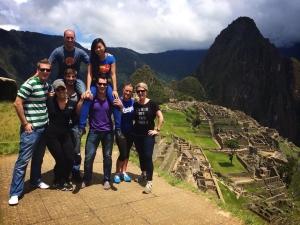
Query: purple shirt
x,y
100,115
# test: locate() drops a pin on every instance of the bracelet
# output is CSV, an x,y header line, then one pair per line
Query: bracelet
x,y
157,129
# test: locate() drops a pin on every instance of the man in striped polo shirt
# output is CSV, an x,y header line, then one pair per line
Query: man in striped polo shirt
x,y
31,109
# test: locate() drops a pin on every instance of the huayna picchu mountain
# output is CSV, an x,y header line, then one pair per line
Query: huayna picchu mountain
x,y
243,70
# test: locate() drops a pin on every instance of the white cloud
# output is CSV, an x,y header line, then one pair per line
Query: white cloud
x,y
20,1
9,27
152,25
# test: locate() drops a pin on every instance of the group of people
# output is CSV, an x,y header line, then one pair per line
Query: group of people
x,y
56,116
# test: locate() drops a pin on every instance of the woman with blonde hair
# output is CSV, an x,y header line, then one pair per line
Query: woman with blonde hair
x,y
144,131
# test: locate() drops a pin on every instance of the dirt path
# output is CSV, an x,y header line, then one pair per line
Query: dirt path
x,y
92,205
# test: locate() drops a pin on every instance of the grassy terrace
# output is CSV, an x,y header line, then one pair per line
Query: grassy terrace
x,y
9,132
175,123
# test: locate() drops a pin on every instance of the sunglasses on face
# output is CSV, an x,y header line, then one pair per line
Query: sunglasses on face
x,y
44,70
140,91
102,84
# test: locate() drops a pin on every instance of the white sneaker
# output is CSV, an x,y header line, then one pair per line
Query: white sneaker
x,y
43,185
148,188
14,200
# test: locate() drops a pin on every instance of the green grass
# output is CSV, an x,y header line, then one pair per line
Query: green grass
x,y
175,123
10,125
221,164
238,207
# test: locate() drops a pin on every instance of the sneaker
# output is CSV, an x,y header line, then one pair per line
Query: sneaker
x,y
140,179
67,186
126,177
117,179
148,188
14,200
43,185
106,185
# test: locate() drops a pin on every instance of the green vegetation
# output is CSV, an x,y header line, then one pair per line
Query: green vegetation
x,y
175,123
221,163
188,87
238,207
9,133
158,91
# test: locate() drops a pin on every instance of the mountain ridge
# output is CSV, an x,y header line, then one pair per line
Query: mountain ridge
x,y
243,70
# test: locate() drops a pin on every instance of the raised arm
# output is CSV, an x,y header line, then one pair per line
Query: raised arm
x,y
89,77
114,80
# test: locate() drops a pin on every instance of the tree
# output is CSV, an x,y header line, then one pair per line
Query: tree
x,y
233,145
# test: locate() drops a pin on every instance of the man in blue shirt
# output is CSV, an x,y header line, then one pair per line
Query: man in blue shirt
x,y
69,56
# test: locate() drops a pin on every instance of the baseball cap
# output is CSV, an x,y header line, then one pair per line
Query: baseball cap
x,y
58,83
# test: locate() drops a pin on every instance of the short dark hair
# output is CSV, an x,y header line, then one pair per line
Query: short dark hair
x,y
70,70
43,61
102,77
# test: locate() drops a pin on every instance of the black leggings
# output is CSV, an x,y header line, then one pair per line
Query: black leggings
x,y
144,146
124,142
61,148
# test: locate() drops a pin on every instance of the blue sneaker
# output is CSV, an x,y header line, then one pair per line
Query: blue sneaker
x,y
117,179
126,177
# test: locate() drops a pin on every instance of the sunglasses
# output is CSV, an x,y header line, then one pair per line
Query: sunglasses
x,y
44,70
140,91
102,84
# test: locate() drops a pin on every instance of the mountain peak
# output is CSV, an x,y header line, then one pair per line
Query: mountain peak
x,y
241,29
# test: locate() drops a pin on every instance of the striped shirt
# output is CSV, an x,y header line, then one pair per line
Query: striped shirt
x,y
34,93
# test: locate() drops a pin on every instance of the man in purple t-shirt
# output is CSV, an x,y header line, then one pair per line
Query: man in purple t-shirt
x,y
101,129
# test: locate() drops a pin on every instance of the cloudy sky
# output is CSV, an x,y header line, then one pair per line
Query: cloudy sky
x,y
152,25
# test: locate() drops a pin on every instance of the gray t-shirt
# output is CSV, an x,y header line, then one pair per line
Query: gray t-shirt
x,y
68,59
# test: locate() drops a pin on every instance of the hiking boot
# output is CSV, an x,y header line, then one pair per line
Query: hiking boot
x,y
106,185
141,178
117,179
148,188
126,177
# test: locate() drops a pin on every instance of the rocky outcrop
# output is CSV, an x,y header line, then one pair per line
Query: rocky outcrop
x,y
8,89
243,70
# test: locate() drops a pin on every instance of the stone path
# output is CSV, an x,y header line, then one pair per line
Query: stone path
x,y
126,204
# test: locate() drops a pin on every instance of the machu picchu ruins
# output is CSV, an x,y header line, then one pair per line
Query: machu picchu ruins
x,y
258,151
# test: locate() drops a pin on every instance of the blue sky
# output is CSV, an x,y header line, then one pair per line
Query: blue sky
x,y
152,25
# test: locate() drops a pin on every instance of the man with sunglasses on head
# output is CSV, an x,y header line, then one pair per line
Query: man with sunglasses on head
x,y
69,56
31,109
101,129
70,78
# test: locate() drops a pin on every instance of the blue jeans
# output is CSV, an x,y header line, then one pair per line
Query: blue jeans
x,y
144,146
29,143
77,133
92,143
